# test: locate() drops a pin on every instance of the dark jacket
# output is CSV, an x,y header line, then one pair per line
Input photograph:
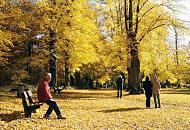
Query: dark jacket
x,y
147,85
119,83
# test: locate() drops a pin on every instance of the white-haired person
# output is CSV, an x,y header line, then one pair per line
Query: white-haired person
x,y
156,90
44,95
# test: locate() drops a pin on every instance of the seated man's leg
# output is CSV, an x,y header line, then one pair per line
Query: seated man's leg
x,y
53,106
48,112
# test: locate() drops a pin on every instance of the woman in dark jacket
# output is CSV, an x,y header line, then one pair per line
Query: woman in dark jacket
x,y
147,85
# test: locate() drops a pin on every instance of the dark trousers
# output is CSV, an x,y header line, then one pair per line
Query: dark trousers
x,y
119,92
157,100
148,100
52,106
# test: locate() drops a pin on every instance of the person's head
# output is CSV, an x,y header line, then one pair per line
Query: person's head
x,y
153,77
147,78
120,76
48,77
155,71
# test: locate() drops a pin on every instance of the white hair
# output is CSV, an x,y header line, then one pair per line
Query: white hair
x,y
48,74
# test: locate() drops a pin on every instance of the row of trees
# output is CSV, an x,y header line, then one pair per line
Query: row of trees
x,y
99,38
144,25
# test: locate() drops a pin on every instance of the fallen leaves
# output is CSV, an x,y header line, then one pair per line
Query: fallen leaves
x,y
88,109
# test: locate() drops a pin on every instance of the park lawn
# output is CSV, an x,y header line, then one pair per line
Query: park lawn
x,y
101,110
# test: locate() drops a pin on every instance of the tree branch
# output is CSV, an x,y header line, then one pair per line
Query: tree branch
x,y
137,17
151,29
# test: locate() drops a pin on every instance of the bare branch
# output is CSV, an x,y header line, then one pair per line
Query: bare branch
x,y
143,4
147,11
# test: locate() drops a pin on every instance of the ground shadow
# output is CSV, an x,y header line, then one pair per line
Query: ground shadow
x,y
175,91
122,109
11,116
83,95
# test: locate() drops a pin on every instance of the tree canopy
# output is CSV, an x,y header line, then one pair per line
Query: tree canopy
x,y
100,40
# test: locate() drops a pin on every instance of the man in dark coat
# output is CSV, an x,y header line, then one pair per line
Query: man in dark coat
x,y
119,83
147,85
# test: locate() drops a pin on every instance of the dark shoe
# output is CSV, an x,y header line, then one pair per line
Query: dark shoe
x,y
61,117
47,116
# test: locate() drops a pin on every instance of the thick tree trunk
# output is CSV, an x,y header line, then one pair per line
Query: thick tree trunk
x,y
53,59
134,68
133,74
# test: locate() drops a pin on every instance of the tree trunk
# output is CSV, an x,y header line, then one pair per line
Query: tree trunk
x,y
134,68
77,79
133,73
66,70
53,59
66,62
134,64
28,67
30,45
176,46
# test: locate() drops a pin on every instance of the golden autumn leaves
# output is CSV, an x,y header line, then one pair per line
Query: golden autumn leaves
x,y
86,109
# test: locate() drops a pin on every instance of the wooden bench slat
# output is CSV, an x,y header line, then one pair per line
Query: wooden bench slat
x,y
28,103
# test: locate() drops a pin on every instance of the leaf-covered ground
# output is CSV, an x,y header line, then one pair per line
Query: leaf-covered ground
x,y
101,110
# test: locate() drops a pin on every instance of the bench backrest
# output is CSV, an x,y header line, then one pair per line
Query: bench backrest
x,y
29,94
25,101
27,98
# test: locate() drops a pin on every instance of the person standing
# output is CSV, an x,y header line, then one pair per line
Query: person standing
x,y
156,90
147,85
119,83
44,95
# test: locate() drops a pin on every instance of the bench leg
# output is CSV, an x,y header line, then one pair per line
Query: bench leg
x,y
28,114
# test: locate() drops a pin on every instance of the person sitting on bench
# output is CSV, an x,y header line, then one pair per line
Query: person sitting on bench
x,y
44,95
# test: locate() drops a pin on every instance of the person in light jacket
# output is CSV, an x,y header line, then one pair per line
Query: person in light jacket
x,y
156,90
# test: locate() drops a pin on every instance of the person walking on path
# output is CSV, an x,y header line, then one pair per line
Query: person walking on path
x,y
119,83
147,85
44,95
156,90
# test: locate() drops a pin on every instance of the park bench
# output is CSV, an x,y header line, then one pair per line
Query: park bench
x,y
29,105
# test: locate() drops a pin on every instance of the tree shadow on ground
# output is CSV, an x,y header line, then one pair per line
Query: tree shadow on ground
x,y
11,116
83,95
175,91
122,109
